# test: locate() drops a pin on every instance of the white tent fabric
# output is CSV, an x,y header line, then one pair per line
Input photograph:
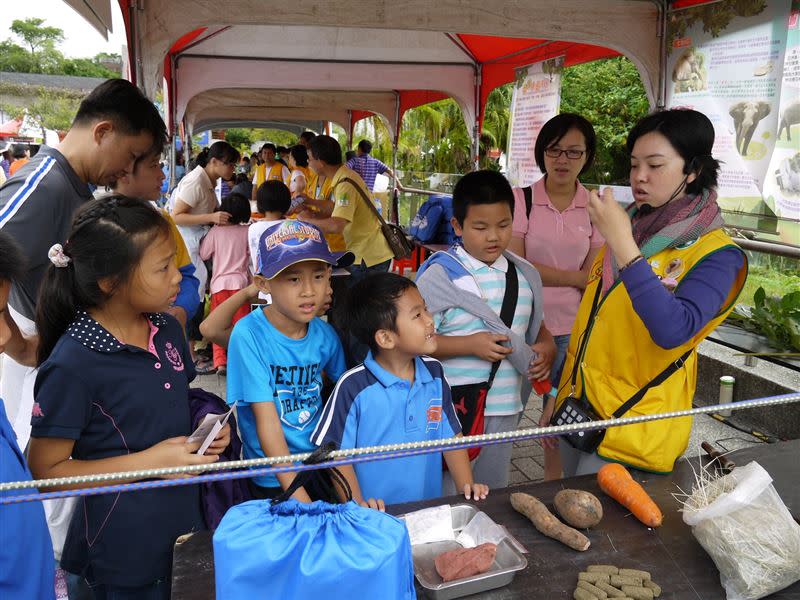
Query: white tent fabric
x,y
375,46
252,104
211,118
196,75
96,12
381,31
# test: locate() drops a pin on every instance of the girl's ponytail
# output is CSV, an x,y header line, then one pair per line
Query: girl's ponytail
x,y
56,307
106,243
202,159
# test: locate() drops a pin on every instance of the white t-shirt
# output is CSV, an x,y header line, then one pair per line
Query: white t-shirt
x,y
298,182
196,191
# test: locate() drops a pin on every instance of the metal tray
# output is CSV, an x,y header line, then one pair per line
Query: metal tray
x,y
506,564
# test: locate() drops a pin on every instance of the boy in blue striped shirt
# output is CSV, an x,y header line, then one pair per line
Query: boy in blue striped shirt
x,y
397,395
465,289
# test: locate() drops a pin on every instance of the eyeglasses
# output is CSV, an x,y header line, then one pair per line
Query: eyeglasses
x,y
571,154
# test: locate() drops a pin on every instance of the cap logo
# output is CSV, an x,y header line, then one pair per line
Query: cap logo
x,y
292,234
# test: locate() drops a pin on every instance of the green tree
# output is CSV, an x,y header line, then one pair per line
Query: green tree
x,y
86,67
610,94
40,39
241,139
53,109
14,58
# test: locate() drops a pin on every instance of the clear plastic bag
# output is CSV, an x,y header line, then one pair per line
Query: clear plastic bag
x,y
743,524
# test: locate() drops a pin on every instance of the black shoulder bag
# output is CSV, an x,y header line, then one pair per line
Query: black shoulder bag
x,y
469,399
579,410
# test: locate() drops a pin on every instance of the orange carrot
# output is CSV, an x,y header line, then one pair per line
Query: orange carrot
x,y
615,481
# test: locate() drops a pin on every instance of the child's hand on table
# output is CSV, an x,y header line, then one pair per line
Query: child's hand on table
x,y
478,491
373,503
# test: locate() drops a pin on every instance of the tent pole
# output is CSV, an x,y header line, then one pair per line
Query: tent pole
x,y
476,130
661,95
173,149
350,126
187,148
395,216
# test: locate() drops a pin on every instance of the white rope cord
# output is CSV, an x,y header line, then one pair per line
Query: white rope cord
x,y
477,440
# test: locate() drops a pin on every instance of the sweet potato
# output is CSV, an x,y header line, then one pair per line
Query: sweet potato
x,y
578,508
546,523
465,562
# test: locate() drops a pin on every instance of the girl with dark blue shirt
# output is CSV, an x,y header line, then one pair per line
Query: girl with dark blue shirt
x,y
112,395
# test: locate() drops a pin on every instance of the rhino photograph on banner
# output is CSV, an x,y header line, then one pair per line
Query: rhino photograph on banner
x,y
737,62
537,95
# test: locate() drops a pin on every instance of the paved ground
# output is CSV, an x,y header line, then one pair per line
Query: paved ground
x,y
527,459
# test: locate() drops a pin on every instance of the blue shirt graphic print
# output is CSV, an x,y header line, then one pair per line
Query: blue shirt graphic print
x,y
266,366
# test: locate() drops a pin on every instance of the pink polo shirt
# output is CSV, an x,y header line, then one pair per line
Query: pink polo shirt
x,y
561,240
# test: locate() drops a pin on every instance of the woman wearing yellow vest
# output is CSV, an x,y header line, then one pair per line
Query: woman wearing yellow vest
x,y
667,276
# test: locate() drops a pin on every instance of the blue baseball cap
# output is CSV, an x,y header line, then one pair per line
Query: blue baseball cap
x,y
290,242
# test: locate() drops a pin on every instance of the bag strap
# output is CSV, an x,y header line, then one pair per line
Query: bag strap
x,y
657,380
528,191
508,308
321,454
364,196
584,339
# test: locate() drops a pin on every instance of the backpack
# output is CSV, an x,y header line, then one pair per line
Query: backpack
x,y
431,224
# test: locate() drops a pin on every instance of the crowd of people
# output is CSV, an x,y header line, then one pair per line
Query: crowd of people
x,y
103,295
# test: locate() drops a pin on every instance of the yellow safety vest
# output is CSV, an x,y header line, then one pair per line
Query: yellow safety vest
x,y
621,358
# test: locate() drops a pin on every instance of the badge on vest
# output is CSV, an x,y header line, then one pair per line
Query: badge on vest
x,y
674,270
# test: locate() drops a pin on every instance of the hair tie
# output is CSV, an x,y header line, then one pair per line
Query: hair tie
x,y
57,256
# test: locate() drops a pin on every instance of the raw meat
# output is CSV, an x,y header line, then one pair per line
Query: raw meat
x,y
465,562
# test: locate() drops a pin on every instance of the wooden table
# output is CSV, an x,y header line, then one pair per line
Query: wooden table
x,y
675,560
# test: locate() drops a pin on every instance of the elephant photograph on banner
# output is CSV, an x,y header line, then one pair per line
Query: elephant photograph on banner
x,y
790,115
746,116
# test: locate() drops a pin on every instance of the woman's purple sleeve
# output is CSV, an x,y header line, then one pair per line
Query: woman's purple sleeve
x,y
674,318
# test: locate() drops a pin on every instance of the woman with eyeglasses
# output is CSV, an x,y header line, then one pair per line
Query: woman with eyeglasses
x,y
666,277
552,229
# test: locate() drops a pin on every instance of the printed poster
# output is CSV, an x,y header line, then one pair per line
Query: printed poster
x,y
736,62
536,98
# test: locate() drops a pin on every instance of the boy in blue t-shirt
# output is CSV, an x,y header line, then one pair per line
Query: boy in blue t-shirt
x,y
397,395
277,354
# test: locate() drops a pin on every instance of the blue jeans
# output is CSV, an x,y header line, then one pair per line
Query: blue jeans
x,y
562,343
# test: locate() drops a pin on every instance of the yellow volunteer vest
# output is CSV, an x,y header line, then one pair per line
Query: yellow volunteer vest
x,y
621,358
312,180
261,174
275,173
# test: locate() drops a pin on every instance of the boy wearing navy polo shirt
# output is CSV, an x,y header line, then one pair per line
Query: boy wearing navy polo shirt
x,y
397,395
277,354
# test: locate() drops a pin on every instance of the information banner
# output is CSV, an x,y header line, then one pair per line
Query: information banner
x,y
782,184
736,62
537,95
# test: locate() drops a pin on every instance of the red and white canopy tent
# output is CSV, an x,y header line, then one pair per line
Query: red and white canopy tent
x,y
347,58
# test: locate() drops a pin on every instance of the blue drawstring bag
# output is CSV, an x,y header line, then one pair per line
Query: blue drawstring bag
x,y
298,551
